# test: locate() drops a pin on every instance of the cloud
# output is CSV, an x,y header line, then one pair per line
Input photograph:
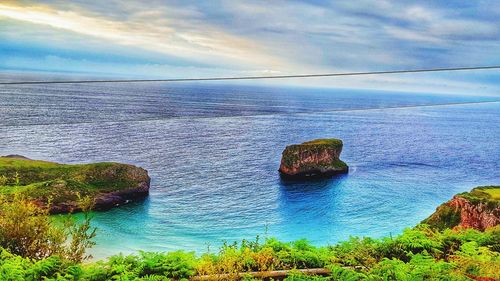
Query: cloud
x,y
189,38
149,30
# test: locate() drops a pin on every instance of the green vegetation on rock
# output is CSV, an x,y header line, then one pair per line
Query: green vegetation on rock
x,y
444,217
329,142
482,205
490,195
64,183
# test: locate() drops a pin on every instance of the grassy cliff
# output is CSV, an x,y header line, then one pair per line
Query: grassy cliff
x,y
479,208
61,184
489,195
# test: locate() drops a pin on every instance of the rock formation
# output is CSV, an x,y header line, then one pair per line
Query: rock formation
x,y
479,209
59,186
316,158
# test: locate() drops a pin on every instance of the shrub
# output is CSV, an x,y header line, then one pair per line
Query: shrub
x,y
177,264
357,252
27,230
424,255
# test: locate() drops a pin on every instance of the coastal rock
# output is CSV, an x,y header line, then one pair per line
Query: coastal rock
x,y
111,199
108,184
316,158
478,209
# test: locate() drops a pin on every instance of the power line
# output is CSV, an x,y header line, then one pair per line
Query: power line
x,y
255,77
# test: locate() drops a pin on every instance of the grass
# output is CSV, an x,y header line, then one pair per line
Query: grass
x,y
483,193
488,195
329,142
60,183
494,193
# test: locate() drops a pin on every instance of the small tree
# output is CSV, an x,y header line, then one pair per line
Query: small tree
x,y
80,235
28,230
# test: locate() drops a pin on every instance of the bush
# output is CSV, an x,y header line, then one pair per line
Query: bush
x,y
27,230
417,254
177,264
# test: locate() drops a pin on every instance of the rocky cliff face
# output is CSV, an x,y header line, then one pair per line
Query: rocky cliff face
x,y
479,209
108,184
317,158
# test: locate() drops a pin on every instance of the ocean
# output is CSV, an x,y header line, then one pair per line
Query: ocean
x,y
213,151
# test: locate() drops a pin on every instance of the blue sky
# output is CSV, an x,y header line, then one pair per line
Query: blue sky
x,y
170,39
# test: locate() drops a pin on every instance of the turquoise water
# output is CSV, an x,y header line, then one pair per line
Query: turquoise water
x,y
213,152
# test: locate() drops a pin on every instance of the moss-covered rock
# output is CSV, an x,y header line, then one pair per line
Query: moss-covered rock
x,y
316,158
60,185
479,209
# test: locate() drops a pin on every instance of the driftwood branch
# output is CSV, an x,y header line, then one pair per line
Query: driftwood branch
x,y
276,274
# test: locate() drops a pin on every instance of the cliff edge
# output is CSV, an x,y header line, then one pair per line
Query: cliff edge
x,y
478,209
59,186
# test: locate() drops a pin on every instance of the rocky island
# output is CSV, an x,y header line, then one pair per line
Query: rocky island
x,y
59,186
316,158
478,209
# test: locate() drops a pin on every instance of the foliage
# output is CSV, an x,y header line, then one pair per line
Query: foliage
x,y
417,254
145,266
444,217
487,195
27,230
329,142
36,246
482,193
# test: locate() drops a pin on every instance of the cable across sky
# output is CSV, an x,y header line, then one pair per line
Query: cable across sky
x,y
257,77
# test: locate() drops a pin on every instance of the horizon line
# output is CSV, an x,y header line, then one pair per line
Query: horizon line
x,y
256,77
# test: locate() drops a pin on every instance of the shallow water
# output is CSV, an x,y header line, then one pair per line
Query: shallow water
x,y
213,152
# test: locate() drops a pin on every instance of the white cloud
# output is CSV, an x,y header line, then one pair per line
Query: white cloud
x,y
206,44
285,37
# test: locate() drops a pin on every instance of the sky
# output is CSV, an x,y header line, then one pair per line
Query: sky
x,y
179,39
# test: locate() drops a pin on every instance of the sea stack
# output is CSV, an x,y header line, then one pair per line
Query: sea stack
x,y
313,159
